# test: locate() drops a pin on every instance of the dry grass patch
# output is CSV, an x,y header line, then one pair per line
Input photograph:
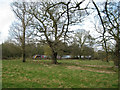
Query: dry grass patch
x,y
88,69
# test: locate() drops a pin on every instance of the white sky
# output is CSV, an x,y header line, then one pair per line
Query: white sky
x,y
7,17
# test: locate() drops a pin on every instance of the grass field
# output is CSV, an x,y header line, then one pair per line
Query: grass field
x,y
68,74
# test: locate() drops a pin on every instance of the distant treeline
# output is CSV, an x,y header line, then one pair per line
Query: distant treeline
x,y
11,50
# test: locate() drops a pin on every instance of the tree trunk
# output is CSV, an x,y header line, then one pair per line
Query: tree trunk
x,y
107,57
54,58
117,53
23,40
23,57
23,47
79,56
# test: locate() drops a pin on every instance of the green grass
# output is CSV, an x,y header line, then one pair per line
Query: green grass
x,y
67,74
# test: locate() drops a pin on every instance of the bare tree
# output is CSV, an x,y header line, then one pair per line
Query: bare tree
x,y
51,23
19,9
110,23
52,20
83,38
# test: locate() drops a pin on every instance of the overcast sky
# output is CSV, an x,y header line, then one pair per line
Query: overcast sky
x,y
7,17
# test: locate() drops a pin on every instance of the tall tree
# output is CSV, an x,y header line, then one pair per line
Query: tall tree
x,y
52,21
83,38
19,9
110,23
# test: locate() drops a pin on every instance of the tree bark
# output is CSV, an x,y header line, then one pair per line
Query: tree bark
x,y
79,56
117,53
23,47
23,41
54,53
54,58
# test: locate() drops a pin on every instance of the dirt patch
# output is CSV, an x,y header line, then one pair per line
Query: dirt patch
x,y
87,69
99,66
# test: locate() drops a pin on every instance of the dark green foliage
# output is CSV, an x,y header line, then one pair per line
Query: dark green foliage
x,y
33,49
10,50
74,50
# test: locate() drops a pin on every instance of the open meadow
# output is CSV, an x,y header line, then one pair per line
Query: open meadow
x,y
83,34
67,74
